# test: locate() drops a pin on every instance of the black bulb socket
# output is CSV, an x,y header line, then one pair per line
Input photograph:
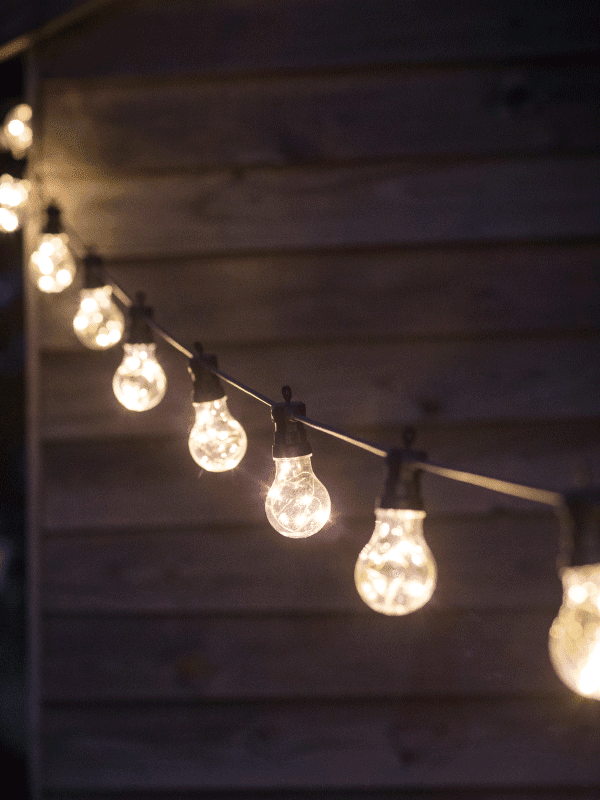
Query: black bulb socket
x,y
92,271
580,529
139,330
402,487
290,436
53,223
206,386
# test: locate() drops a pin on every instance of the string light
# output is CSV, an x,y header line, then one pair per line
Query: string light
x,y
217,441
139,382
17,131
297,504
14,194
52,262
98,323
396,573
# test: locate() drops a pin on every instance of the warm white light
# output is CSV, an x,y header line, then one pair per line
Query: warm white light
x,y
14,194
574,640
298,504
52,263
396,572
17,131
98,324
139,383
217,441
9,219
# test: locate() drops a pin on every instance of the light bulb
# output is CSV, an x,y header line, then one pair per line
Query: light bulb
x,y
18,134
14,194
574,640
139,383
52,263
396,572
298,504
98,324
217,441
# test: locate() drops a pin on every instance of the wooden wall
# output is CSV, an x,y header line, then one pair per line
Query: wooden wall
x,y
394,207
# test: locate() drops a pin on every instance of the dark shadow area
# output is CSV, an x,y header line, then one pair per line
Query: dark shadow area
x,y
12,494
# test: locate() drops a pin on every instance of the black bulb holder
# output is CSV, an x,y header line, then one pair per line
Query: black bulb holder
x,y
139,330
290,436
580,529
53,222
206,386
402,487
92,274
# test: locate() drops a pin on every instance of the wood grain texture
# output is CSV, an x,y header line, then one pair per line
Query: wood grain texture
x,y
428,652
386,384
215,570
400,744
346,295
110,128
395,203
150,37
127,482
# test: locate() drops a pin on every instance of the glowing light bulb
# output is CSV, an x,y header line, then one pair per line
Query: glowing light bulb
x,y
9,219
217,441
52,263
574,640
17,131
98,324
298,504
396,572
139,383
14,194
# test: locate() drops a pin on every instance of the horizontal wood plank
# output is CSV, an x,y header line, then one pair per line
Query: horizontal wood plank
x,y
455,381
394,203
348,296
153,37
430,652
110,128
130,482
194,570
392,745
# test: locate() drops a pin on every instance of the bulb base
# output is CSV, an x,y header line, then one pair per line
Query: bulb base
x,y
402,488
580,529
206,386
139,330
290,436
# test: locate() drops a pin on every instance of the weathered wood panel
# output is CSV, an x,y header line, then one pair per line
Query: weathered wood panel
x,y
395,203
410,744
129,482
330,655
351,295
391,384
232,569
124,129
151,37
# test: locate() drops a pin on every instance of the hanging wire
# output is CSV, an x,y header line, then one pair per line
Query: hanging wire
x,y
545,496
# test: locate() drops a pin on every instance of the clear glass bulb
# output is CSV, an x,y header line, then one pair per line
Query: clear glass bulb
x,y
217,441
574,640
52,263
298,504
98,324
14,194
18,134
139,383
396,572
